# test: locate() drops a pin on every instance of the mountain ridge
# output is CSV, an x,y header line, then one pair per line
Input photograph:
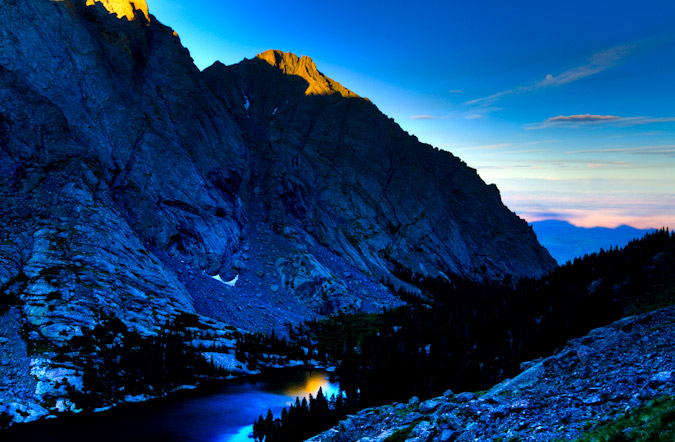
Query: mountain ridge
x,y
124,8
304,67
565,241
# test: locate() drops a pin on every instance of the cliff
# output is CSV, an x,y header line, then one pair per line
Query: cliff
x,y
136,187
331,164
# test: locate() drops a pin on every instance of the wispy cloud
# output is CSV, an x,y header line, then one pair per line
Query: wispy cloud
x,y
599,62
582,118
491,99
541,216
636,121
480,112
542,142
665,149
456,91
509,167
489,146
423,117
527,151
574,121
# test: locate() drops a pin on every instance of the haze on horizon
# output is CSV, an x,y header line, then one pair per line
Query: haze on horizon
x,y
566,108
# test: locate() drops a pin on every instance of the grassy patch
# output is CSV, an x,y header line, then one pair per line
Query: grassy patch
x,y
662,295
401,435
654,422
334,333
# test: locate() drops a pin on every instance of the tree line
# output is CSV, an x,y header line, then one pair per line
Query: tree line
x,y
304,418
468,335
119,362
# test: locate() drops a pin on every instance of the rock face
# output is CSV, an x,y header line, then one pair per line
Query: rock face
x,y
128,179
124,8
593,380
97,173
329,163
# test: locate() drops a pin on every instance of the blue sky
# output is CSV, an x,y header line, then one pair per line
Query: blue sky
x,y
566,106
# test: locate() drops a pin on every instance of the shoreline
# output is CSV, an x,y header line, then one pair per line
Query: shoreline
x,y
200,388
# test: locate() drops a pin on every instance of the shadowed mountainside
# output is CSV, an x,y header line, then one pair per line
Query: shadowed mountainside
x,y
332,164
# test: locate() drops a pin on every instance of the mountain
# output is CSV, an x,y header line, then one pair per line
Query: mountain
x,y
139,194
332,166
566,241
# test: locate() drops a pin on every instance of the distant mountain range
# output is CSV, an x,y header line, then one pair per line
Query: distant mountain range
x,y
566,241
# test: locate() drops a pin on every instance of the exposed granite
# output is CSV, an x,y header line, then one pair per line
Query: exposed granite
x,y
124,8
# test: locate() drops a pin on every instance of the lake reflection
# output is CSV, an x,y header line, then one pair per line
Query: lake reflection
x,y
223,414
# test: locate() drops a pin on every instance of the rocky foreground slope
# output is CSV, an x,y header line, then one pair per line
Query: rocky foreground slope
x,y
134,186
593,380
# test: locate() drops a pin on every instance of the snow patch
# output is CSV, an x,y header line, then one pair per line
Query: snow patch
x,y
228,361
227,283
137,398
23,412
247,103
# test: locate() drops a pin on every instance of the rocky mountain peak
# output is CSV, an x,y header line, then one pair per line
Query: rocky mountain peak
x,y
303,66
124,8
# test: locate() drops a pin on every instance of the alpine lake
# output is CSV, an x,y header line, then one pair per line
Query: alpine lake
x,y
218,412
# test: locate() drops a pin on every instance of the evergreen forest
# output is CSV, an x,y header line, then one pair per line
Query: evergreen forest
x,y
467,336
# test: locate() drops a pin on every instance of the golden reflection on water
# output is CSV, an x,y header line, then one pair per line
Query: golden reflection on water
x,y
310,384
